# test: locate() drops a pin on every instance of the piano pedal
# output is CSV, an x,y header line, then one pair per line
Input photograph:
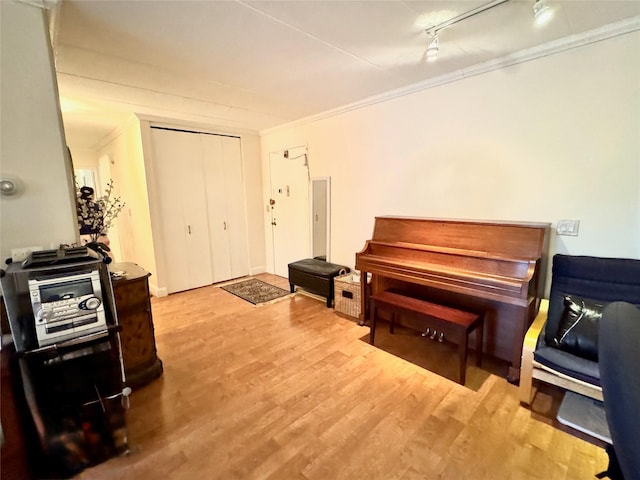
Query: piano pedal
x,y
433,335
426,332
441,337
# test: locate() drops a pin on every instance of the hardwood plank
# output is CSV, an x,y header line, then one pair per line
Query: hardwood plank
x,y
292,390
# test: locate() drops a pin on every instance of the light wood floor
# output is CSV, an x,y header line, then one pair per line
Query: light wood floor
x,y
292,390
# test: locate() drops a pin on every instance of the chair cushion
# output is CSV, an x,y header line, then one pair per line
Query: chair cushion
x,y
567,363
602,280
578,329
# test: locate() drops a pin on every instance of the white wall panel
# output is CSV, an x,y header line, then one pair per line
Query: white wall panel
x,y
32,144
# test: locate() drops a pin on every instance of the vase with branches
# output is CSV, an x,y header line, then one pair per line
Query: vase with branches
x,y
97,215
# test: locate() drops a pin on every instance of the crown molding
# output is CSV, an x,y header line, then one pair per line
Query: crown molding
x,y
171,123
201,126
114,133
605,32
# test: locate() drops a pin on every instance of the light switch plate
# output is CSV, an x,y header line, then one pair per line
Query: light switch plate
x,y
568,227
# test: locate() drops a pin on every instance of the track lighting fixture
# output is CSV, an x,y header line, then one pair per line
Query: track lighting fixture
x,y
542,12
432,46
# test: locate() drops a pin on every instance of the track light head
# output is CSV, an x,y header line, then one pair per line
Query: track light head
x,y
542,12
432,32
433,46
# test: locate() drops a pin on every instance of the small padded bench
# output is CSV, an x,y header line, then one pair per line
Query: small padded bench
x,y
315,276
445,323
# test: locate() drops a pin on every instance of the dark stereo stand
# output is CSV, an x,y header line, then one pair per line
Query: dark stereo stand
x,y
15,460
133,306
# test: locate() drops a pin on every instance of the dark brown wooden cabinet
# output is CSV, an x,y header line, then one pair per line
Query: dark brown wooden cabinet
x,y
133,307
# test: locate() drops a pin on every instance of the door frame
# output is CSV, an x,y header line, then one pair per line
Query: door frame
x,y
292,154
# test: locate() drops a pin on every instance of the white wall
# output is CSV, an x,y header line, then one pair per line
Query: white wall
x,y
132,236
32,139
555,138
86,158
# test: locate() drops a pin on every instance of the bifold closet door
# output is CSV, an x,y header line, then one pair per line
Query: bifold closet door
x,y
226,203
178,167
236,207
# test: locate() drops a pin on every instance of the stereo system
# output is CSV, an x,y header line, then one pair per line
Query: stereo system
x,y
66,306
55,296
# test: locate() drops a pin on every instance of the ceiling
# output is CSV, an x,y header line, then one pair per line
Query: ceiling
x,y
258,64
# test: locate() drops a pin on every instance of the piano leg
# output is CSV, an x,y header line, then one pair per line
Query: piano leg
x,y
364,299
462,354
479,338
372,332
521,327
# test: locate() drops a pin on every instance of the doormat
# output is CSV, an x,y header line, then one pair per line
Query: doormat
x,y
256,291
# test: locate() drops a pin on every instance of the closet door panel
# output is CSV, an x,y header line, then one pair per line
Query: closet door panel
x,y
173,229
195,214
177,166
236,208
213,168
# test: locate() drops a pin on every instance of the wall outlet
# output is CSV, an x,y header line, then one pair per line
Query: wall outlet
x,y
568,227
19,254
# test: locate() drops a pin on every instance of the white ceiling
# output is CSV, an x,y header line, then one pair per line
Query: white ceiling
x,y
259,64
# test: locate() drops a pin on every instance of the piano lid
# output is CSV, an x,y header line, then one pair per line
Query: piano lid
x,y
507,239
488,259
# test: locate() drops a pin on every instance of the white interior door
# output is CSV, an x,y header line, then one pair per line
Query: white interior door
x,y
236,225
216,204
185,229
290,210
226,204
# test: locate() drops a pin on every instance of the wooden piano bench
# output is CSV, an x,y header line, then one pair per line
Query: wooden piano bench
x,y
316,276
443,323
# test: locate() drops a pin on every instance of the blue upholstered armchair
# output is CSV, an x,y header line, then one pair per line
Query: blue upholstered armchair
x,y
561,346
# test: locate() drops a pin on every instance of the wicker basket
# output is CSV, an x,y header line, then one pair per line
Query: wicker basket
x,y
347,295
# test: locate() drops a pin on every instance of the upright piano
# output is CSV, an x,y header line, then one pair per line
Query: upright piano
x,y
496,269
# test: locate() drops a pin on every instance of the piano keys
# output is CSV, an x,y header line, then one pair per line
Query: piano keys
x,y
488,267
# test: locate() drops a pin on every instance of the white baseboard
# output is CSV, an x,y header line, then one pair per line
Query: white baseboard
x,y
257,270
162,291
157,291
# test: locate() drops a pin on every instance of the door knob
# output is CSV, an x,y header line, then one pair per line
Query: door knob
x,y
273,223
